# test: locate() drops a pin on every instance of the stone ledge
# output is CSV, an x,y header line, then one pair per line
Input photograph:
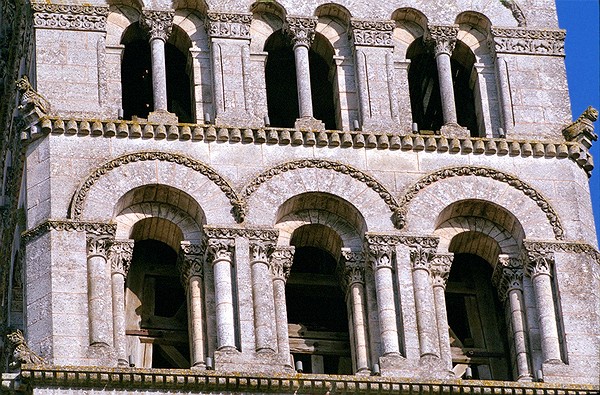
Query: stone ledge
x,y
136,378
324,138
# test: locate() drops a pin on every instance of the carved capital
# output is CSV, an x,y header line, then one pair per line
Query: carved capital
x,y
539,263
98,245
380,256
69,16
259,252
120,255
352,268
281,262
190,262
159,24
443,38
220,250
440,269
301,30
421,258
508,275
228,25
372,33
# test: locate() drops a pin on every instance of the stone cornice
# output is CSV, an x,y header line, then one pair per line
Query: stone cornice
x,y
373,33
69,16
91,228
543,247
527,41
228,25
36,376
258,234
384,239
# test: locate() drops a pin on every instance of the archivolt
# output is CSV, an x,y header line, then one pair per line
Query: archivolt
x,y
76,208
494,174
370,181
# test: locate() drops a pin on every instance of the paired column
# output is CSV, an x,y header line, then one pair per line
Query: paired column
x,y
159,25
508,278
444,40
539,268
98,285
220,254
302,32
191,267
440,271
426,317
120,255
281,263
353,272
262,295
381,263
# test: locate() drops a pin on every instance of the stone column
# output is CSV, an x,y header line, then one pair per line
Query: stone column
x,y
302,32
353,274
120,255
444,39
220,253
262,296
504,94
98,287
381,263
281,264
539,268
191,267
440,271
508,278
159,25
426,318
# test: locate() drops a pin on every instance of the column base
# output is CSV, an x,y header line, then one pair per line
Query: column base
x,y
163,117
454,130
309,123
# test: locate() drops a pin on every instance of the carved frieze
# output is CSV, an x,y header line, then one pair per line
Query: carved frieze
x,y
440,269
95,228
529,41
376,239
541,247
372,33
216,232
508,275
301,30
442,37
120,255
69,16
228,25
159,24
281,261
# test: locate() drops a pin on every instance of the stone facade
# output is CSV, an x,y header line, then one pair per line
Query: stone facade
x,y
284,197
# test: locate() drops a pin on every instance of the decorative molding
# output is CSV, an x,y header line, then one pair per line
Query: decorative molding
x,y
442,37
69,16
95,228
259,234
508,275
463,171
440,269
76,209
158,23
228,25
21,353
120,255
542,247
338,167
372,33
377,239
516,11
549,42
301,30
281,261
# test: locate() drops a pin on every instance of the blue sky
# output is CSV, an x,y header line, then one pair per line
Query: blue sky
x,y
581,19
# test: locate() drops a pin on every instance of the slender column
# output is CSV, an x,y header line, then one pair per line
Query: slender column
x,y
504,93
426,319
302,32
262,298
354,280
381,262
221,256
120,255
539,268
281,264
440,271
159,24
191,268
444,39
98,285
508,278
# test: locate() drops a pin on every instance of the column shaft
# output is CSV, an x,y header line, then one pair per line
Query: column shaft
x,y
359,320
446,87
303,80
442,325
196,322
265,341
98,305
159,74
118,310
504,93
224,305
542,288
281,317
515,297
387,310
426,322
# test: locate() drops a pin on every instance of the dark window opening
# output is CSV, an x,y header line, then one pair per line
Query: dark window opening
x,y
136,74
280,77
179,84
462,62
321,88
424,87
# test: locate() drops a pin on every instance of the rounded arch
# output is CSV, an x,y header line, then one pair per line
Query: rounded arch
x,y
475,32
120,17
191,22
197,5
95,196
411,25
334,10
276,185
420,200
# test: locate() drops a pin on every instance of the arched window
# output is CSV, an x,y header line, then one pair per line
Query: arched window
x,y
136,73
322,75
464,78
179,80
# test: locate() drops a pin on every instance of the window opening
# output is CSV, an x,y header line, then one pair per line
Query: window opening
x,y
321,84
179,80
136,74
280,78
462,62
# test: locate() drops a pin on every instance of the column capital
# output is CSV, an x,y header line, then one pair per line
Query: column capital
x,y
440,269
508,275
380,256
228,25
539,262
301,30
158,23
280,262
372,33
443,38
98,245
190,262
120,255
220,249
351,269
421,258
260,251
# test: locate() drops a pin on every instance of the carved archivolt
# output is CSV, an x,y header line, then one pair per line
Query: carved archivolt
x,y
76,209
370,181
486,172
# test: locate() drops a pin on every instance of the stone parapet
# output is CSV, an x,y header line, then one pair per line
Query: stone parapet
x,y
323,138
132,379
